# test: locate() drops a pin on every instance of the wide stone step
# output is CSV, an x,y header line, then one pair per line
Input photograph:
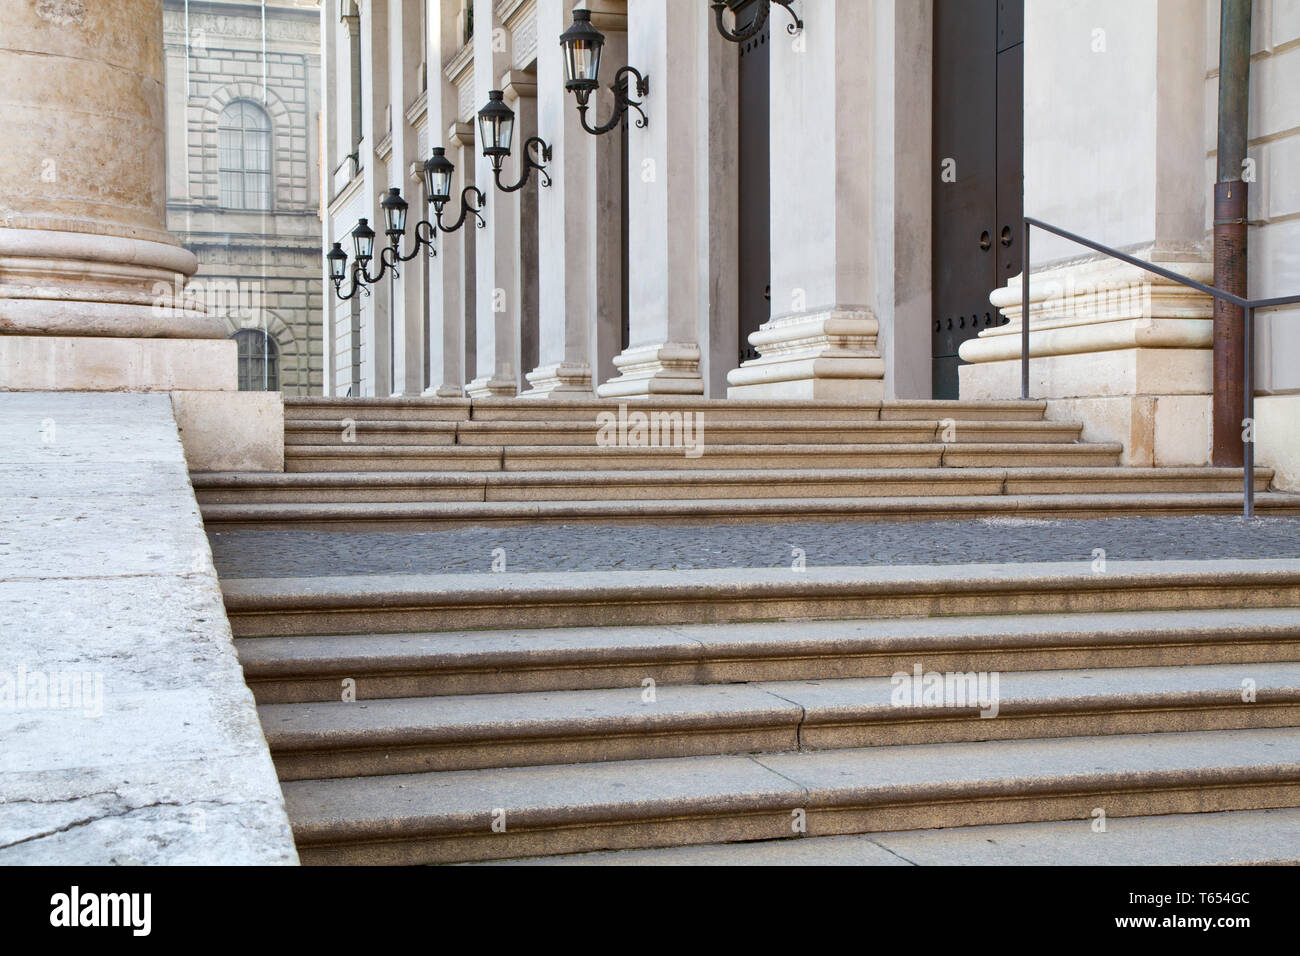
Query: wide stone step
x,y
531,811
247,488
366,738
352,487
407,603
314,667
265,487
661,429
719,410
434,516
1233,838
448,457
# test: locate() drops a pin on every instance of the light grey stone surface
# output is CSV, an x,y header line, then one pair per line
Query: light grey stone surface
x,y
105,572
1186,839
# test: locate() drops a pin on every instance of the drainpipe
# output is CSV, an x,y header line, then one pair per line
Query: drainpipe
x,y
1230,231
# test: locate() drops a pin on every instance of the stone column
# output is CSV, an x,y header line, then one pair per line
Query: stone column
x,y
446,333
377,308
669,264
567,226
821,340
90,281
520,89
497,252
405,53
1125,351
607,170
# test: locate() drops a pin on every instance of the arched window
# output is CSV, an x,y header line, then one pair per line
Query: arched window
x,y
244,156
259,361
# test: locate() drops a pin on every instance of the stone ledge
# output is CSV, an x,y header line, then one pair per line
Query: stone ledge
x,y
159,757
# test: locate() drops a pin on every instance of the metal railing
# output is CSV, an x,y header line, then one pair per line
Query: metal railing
x,y
1249,307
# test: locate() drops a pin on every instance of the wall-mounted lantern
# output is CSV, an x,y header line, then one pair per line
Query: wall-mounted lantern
x,y
438,170
395,210
582,45
760,20
496,123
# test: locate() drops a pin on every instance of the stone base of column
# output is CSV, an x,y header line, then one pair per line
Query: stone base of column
x,y
486,387
561,380
1093,308
670,368
85,364
444,391
830,355
1126,352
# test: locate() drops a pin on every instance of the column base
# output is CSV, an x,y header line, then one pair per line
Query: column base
x,y
560,380
486,387
1117,372
444,391
829,355
84,364
669,368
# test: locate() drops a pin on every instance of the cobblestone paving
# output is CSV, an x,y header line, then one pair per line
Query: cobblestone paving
x,y
242,554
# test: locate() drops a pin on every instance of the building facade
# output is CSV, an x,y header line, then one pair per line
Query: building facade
x,y
243,177
825,212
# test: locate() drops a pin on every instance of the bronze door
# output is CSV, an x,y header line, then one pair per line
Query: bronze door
x,y
978,170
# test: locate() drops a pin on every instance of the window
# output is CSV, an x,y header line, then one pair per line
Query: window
x,y
244,156
259,361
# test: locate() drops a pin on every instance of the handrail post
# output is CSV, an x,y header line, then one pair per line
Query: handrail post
x,y
1024,314
1248,405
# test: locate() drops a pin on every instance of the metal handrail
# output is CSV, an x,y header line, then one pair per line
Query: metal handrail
x,y
1249,306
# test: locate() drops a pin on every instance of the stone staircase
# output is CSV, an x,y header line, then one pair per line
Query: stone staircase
x,y
424,464
754,714
506,716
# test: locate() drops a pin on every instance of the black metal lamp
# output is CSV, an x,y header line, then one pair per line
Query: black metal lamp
x,y
496,123
395,210
582,45
760,19
438,170
363,242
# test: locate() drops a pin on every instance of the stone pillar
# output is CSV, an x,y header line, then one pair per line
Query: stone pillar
x,y
669,265
520,89
1125,351
377,308
821,340
567,226
497,252
607,171
446,333
405,53
90,280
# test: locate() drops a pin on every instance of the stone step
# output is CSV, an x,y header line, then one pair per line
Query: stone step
x,y
417,735
381,409
448,457
504,409
453,816
1232,838
351,487
700,432
749,410
314,667
435,516
409,603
